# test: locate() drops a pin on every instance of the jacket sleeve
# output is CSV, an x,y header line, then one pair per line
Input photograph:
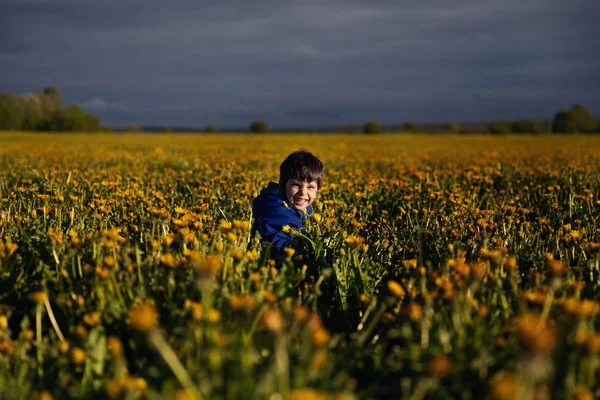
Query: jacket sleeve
x,y
270,231
271,217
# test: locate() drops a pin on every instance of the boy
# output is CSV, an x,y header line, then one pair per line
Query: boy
x,y
287,203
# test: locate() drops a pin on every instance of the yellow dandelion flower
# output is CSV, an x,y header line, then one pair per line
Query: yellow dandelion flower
x,y
38,297
414,311
272,320
78,356
143,317
504,386
535,334
231,238
354,241
252,255
320,336
306,394
268,296
225,227
169,260
92,318
214,316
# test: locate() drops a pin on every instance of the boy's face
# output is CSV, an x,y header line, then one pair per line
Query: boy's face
x,y
300,193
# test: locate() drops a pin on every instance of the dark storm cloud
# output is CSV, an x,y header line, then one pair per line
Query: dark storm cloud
x,y
310,62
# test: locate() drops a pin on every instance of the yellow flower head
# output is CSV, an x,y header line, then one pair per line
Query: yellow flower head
x,y
354,241
39,297
143,317
396,290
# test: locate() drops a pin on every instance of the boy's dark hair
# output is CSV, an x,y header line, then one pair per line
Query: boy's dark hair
x,y
301,165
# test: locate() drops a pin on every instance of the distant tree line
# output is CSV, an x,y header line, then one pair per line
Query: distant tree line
x,y
44,112
574,120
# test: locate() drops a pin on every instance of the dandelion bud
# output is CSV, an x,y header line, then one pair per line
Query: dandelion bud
x,y
396,290
63,347
114,346
43,395
439,366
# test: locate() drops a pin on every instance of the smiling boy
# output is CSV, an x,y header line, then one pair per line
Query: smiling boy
x,y
287,203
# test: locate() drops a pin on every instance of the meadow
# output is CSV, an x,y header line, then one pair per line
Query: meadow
x,y
434,267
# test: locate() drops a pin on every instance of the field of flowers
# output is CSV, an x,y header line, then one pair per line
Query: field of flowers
x,y
434,267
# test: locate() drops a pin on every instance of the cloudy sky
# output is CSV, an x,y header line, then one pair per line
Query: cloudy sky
x,y
304,63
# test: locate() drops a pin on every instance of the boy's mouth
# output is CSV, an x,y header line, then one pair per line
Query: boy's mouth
x,y
299,202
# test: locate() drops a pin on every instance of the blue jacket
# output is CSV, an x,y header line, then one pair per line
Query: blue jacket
x,y
271,212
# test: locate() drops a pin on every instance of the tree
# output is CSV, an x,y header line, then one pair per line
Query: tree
x,y
132,128
564,122
44,111
500,127
53,94
259,127
410,127
210,129
71,118
32,111
583,119
92,123
526,126
371,127
10,112
454,127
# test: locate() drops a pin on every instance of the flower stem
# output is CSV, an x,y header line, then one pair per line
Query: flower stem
x,y
173,362
38,342
53,320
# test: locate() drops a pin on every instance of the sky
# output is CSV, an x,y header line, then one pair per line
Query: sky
x,y
304,63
